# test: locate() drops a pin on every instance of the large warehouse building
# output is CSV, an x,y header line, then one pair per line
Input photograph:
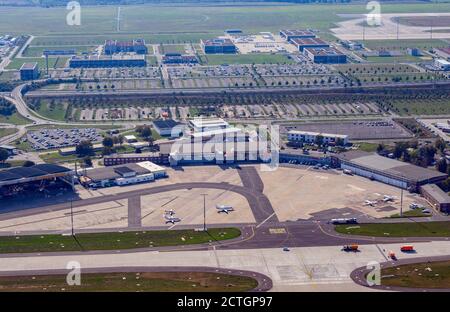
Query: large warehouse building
x,y
38,178
126,174
290,34
218,45
304,43
325,55
114,46
387,170
296,136
436,197
103,61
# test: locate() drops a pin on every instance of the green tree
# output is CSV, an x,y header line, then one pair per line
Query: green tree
x,y
3,155
108,142
84,148
319,140
441,165
28,163
440,145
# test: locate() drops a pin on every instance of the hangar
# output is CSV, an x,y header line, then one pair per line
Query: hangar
x,y
126,174
42,177
387,170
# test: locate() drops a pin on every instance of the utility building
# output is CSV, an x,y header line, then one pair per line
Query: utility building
x,y
29,71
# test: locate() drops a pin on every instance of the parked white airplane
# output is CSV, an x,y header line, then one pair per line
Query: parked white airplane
x,y
224,208
370,203
170,212
388,198
171,219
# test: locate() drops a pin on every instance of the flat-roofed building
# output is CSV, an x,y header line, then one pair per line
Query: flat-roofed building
x,y
59,52
218,45
207,124
29,71
290,34
295,136
436,197
387,170
130,138
168,127
130,158
325,55
125,174
105,61
304,43
114,46
178,58
156,170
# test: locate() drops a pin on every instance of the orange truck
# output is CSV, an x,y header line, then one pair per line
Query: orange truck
x,y
352,247
407,248
392,255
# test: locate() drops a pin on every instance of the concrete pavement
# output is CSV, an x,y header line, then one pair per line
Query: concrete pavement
x,y
304,268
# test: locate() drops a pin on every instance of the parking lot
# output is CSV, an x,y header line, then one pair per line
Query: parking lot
x,y
107,73
59,138
356,130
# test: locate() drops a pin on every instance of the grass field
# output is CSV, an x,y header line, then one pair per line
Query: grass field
x,y
401,44
37,51
127,282
113,240
245,59
419,275
393,59
407,107
18,62
413,213
15,119
409,229
173,48
7,131
53,111
181,23
367,147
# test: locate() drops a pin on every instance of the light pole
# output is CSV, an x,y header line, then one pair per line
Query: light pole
x,y
204,211
72,232
401,203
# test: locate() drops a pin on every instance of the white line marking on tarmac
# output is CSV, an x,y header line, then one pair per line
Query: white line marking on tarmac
x,y
264,221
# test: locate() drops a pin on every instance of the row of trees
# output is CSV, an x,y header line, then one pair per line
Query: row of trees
x,y
6,107
418,155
